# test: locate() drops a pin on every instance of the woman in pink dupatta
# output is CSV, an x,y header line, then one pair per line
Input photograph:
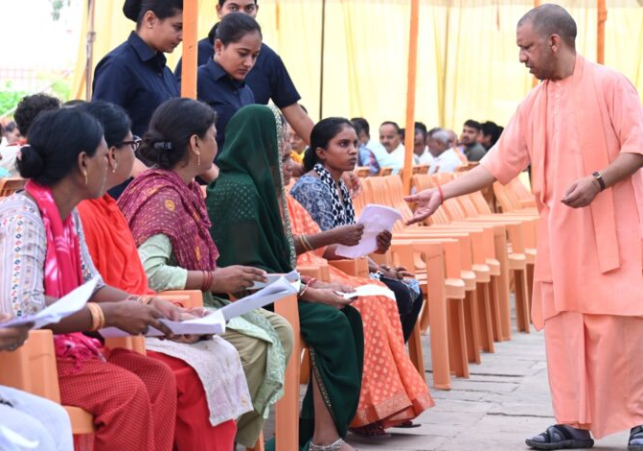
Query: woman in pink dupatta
x,y
44,257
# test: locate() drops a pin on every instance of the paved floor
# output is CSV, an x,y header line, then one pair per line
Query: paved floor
x,y
505,400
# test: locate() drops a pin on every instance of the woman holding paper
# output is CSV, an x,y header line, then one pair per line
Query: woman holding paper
x,y
333,152
34,419
166,213
251,169
247,225
314,247
211,386
44,257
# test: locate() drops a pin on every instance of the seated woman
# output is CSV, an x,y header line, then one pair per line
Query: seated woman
x,y
392,391
212,389
166,213
36,420
323,193
45,257
246,216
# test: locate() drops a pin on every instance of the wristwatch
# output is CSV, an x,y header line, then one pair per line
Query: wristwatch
x,y
599,178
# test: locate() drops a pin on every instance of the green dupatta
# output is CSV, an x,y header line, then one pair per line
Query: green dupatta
x,y
248,224
250,227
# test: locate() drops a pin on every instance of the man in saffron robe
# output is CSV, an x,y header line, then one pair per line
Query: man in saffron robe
x,y
581,130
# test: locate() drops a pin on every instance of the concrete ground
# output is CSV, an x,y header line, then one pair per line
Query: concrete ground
x,y
505,400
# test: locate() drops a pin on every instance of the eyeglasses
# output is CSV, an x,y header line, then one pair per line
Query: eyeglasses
x,y
135,143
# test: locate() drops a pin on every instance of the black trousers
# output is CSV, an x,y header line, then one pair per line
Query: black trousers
x,y
408,303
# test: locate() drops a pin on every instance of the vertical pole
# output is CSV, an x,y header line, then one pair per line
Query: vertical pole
x,y
189,56
600,35
322,58
91,37
407,172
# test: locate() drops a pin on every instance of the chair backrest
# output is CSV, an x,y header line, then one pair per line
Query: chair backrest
x,y
187,298
386,171
10,185
362,171
421,169
32,367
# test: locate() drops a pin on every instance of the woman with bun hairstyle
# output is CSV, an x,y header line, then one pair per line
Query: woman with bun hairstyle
x,y
44,257
134,75
221,82
211,386
166,212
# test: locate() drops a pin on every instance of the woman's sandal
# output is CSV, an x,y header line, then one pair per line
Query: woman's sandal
x,y
558,437
407,425
635,434
336,446
373,430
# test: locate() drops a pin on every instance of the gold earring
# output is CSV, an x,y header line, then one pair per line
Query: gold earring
x,y
85,174
198,160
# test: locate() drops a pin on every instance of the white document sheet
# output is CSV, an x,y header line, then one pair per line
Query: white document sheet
x,y
291,277
215,322
12,441
60,309
376,219
369,290
272,293
211,324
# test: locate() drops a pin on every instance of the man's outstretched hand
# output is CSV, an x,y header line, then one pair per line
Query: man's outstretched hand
x,y
427,201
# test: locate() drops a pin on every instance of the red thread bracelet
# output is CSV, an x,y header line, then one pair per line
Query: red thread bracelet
x,y
441,194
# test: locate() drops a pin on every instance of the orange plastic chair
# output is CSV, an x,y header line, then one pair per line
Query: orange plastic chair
x,y
421,169
385,171
362,171
453,354
10,185
475,274
32,368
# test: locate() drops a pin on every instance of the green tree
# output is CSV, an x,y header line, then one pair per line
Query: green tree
x,y
57,6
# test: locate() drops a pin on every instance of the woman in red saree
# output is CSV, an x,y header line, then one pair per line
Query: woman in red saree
x,y
115,255
44,257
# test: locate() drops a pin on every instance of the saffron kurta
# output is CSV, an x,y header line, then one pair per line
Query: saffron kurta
x,y
589,259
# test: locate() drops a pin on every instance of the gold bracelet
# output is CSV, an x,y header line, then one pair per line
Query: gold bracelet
x,y
96,313
307,244
101,315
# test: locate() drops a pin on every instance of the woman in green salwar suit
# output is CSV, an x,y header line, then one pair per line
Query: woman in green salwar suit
x,y
250,226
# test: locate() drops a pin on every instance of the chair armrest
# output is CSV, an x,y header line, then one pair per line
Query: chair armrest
x,y
32,367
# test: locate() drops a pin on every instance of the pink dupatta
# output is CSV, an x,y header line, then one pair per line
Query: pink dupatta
x,y
63,269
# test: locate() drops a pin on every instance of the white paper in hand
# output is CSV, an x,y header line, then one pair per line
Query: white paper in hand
x,y
376,219
215,322
292,276
369,290
270,294
60,309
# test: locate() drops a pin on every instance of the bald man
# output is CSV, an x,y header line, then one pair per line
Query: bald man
x,y
581,130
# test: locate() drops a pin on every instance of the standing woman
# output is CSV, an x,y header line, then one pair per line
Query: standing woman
x,y
221,81
134,75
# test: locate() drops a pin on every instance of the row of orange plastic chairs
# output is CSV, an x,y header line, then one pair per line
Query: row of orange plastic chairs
x,y
464,256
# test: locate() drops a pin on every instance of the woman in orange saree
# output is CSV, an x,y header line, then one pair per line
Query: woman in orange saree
x,y
393,392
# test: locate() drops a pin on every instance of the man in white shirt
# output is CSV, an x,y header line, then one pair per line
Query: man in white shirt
x,y
421,153
445,158
390,140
